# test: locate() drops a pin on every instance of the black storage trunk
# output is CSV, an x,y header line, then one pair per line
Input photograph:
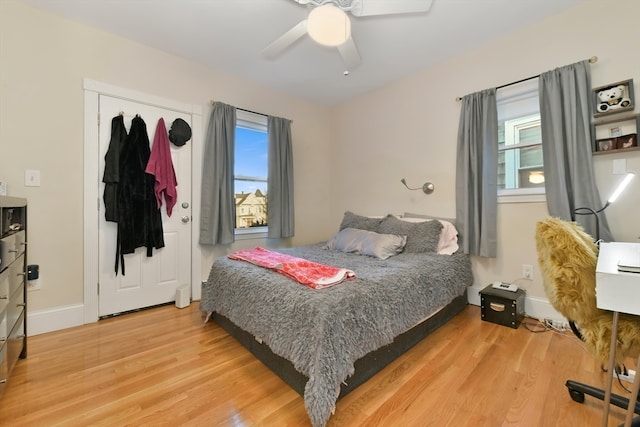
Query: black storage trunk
x,y
502,307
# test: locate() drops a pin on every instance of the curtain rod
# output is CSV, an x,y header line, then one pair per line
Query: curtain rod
x,y
244,109
592,60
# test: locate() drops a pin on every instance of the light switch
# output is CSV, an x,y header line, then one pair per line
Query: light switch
x,y
31,178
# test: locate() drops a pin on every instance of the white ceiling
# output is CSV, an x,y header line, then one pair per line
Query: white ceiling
x,y
229,36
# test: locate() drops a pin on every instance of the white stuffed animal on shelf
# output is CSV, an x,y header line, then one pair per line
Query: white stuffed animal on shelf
x,y
613,98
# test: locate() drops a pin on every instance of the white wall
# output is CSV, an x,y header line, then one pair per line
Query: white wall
x,y
411,130
44,59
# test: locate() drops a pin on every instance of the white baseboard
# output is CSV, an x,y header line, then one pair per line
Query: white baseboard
x,y
536,307
54,319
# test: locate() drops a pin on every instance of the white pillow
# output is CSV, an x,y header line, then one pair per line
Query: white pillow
x,y
448,242
363,242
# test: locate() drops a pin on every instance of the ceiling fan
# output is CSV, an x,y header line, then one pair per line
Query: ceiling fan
x,y
328,24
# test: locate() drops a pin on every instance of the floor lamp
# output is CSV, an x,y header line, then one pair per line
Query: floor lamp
x,y
612,198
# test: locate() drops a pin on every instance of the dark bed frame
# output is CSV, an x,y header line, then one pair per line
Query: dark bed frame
x,y
365,367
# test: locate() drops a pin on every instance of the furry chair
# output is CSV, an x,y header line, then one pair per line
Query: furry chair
x,y
567,257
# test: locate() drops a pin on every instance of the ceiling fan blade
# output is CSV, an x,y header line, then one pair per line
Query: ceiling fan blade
x,y
386,7
349,53
285,40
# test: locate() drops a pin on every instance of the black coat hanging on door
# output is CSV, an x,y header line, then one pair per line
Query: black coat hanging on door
x,y
139,219
111,176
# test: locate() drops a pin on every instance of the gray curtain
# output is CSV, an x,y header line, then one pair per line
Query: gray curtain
x,y
476,177
217,215
566,145
280,179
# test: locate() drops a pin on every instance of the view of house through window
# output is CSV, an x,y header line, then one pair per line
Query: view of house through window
x,y
250,180
520,164
520,153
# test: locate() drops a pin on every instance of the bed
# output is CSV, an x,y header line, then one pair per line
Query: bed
x,y
325,342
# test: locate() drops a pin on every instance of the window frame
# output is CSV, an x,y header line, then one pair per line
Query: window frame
x,y
515,102
257,122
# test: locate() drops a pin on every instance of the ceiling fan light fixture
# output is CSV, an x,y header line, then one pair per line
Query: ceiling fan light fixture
x,y
328,25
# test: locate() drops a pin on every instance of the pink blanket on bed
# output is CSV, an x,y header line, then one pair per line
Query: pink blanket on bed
x,y
309,273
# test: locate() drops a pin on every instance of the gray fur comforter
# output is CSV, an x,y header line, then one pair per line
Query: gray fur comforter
x,y
323,332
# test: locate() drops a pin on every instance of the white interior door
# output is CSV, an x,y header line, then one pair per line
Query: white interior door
x,y
149,280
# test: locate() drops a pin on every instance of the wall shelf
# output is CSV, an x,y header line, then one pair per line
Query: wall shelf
x,y
615,118
616,151
611,119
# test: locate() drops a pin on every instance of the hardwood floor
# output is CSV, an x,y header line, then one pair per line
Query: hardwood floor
x,y
164,367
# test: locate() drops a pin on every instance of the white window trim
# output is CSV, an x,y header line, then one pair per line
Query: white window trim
x,y
522,195
251,233
257,122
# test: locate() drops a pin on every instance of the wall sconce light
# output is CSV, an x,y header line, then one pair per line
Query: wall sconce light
x,y
612,198
427,187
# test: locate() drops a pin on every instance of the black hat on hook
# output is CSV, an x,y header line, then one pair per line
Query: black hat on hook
x,y
180,132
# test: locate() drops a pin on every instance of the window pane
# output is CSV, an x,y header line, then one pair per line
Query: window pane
x,y
531,134
251,207
531,178
530,157
251,153
250,183
520,167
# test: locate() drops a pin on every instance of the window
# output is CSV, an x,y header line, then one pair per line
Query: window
x,y
520,163
250,169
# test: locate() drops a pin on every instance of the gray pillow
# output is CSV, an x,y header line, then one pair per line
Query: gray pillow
x,y
365,242
351,220
415,215
451,220
421,236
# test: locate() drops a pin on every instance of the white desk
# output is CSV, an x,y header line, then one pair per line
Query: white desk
x,y
619,292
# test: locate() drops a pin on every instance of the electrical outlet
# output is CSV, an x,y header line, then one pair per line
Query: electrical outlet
x,y
34,285
628,377
527,271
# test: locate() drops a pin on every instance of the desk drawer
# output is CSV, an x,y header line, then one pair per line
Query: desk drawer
x,y
15,343
10,281
4,365
16,306
4,291
11,247
4,330
12,278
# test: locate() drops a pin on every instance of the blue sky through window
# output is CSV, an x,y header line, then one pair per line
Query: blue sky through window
x,y
250,159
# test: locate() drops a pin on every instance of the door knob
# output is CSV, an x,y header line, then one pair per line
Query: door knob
x,y
185,219
185,205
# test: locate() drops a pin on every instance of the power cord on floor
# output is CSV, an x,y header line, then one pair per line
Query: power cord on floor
x,y
538,326
535,327
621,370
